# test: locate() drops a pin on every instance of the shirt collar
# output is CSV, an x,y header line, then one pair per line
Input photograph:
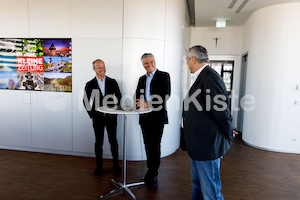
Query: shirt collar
x,y
196,74
152,74
99,80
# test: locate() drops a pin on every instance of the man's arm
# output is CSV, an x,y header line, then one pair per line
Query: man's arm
x,y
215,89
118,92
86,100
138,91
167,87
139,96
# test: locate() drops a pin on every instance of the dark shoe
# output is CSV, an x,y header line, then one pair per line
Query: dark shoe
x,y
150,179
117,169
151,182
98,172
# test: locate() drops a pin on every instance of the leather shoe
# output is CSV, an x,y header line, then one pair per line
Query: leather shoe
x,y
117,169
151,182
98,172
150,178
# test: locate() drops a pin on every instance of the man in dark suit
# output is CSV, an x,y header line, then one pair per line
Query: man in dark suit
x,y
206,125
153,90
95,91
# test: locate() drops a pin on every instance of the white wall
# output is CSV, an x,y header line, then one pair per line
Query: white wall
x,y
230,42
18,23
15,118
118,32
271,36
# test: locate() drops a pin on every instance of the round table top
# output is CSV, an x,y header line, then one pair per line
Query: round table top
x,y
127,110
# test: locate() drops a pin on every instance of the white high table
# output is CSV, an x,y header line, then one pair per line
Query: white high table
x,y
125,112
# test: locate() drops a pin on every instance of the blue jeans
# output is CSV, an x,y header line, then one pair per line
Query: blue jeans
x,y
206,180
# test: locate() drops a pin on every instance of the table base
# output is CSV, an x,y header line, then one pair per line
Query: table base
x,y
121,187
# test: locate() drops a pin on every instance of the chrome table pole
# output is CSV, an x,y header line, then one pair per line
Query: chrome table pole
x,y
124,185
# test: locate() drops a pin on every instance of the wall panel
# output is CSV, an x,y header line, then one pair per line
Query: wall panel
x,y
97,18
50,19
272,42
14,18
15,118
144,19
51,120
172,65
175,19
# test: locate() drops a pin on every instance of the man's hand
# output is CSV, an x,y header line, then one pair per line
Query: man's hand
x,y
235,133
141,103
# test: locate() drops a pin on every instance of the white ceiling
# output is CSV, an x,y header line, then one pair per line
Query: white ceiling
x,y
206,12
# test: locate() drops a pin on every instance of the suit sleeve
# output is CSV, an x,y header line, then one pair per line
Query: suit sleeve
x,y
219,103
161,86
168,87
138,89
86,100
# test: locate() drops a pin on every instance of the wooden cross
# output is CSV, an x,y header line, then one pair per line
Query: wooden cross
x,y
216,38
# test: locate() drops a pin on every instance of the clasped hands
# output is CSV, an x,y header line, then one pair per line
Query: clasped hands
x,y
141,103
235,133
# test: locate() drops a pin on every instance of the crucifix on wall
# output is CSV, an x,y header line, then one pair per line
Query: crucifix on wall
x,y
216,38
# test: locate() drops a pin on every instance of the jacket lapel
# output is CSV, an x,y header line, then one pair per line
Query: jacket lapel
x,y
144,82
106,85
153,80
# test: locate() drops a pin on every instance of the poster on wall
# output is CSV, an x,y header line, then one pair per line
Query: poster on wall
x,y
36,64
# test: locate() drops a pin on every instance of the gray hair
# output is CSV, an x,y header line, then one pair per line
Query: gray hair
x,y
147,55
97,61
199,52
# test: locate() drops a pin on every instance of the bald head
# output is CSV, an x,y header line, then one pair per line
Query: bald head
x,y
99,68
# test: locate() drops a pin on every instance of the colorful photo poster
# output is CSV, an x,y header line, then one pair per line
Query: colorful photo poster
x,y
8,54
57,47
57,64
30,81
58,81
30,47
8,80
36,64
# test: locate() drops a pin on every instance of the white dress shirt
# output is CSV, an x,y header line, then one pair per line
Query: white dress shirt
x,y
148,82
101,84
195,75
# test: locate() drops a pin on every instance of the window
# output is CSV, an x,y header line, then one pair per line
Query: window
x,y
225,69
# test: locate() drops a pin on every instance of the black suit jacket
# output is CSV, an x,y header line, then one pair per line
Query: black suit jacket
x,y
93,93
208,132
161,86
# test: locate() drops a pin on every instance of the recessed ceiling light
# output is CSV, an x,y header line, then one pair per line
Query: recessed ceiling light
x,y
232,4
241,6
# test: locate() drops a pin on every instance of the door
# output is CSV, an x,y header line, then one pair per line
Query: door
x,y
240,118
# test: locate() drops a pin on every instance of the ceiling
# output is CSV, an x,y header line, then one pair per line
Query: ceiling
x,y
204,13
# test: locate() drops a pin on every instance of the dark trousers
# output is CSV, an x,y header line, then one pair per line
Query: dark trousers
x,y
110,122
152,135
